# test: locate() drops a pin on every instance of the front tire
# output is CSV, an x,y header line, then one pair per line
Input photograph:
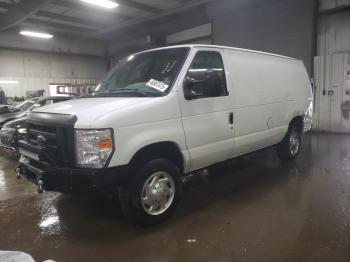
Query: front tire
x,y
289,148
153,193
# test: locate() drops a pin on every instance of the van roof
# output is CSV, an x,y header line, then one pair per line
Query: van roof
x,y
224,47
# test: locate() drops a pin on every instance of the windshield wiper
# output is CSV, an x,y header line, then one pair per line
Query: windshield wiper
x,y
131,91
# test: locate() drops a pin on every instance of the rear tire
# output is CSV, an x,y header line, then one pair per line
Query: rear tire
x,y
289,148
153,193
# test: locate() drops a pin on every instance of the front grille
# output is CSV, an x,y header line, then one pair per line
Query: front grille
x,y
53,135
45,136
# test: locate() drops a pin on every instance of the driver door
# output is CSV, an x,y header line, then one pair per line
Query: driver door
x,y
208,116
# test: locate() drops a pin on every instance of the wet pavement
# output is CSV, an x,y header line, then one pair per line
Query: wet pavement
x,y
253,209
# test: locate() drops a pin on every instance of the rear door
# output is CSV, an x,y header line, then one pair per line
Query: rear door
x,y
208,120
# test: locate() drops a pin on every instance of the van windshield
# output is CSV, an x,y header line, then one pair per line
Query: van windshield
x,y
146,74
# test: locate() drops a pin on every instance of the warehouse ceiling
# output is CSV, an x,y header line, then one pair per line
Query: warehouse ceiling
x,y
79,19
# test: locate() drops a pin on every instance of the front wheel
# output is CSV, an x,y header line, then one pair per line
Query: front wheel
x,y
289,148
153,193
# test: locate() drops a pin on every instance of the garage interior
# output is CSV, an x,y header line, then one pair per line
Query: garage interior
x,y
254,208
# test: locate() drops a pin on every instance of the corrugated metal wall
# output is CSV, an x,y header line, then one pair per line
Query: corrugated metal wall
x,y
332,68
35,71
334,33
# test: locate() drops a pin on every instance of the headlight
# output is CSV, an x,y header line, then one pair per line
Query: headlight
x,y
93,147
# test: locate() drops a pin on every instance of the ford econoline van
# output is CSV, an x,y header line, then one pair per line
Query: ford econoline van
x,y
163,114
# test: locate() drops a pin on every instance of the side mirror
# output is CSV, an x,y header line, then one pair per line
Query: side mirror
x,y
198,88
189,92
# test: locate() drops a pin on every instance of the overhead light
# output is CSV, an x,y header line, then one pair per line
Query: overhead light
x,y
8,82
103,3
36,34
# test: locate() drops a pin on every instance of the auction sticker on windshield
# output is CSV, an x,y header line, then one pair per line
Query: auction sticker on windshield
x,y
160,86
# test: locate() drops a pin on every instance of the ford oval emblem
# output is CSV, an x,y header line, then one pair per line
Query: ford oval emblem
x,y
41,139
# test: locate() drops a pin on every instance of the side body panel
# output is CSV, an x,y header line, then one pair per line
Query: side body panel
x,y
267,93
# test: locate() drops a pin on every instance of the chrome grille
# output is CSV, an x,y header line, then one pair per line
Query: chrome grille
x,y
45,136
52,139
51,136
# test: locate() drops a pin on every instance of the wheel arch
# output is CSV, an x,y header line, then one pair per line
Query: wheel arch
x,y
165,149
297,121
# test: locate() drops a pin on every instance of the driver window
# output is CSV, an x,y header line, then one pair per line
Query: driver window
x,y
207,75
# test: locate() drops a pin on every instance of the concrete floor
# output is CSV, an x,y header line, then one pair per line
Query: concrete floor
x,y
256,210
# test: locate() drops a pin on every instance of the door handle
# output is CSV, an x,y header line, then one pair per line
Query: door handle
x,y
231,118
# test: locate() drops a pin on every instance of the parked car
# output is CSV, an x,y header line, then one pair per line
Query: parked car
x,y
8,113
15,130
11,133
4,109
2,96
160,115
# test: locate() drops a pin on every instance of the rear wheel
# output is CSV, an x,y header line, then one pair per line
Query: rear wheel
x,y
289,148
153,193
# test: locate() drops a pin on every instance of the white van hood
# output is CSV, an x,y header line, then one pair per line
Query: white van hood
x,y
104,112
88,110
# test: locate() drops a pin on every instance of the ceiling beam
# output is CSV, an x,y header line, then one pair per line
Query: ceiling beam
x,y
149,18
76,30
5,5
127,3
140,6
19,12
168,25
336,10
71,19
62,44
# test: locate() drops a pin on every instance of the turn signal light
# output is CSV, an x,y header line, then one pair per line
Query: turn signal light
x,y
104,144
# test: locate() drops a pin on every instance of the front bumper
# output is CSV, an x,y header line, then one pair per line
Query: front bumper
x,y
71,180
307,124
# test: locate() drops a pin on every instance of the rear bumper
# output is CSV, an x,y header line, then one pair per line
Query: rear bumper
x,y
307,124
71,180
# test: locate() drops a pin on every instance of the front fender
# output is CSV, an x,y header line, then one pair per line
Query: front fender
x,y
129,140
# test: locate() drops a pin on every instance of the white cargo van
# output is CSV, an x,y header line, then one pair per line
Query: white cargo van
x,y
162,114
